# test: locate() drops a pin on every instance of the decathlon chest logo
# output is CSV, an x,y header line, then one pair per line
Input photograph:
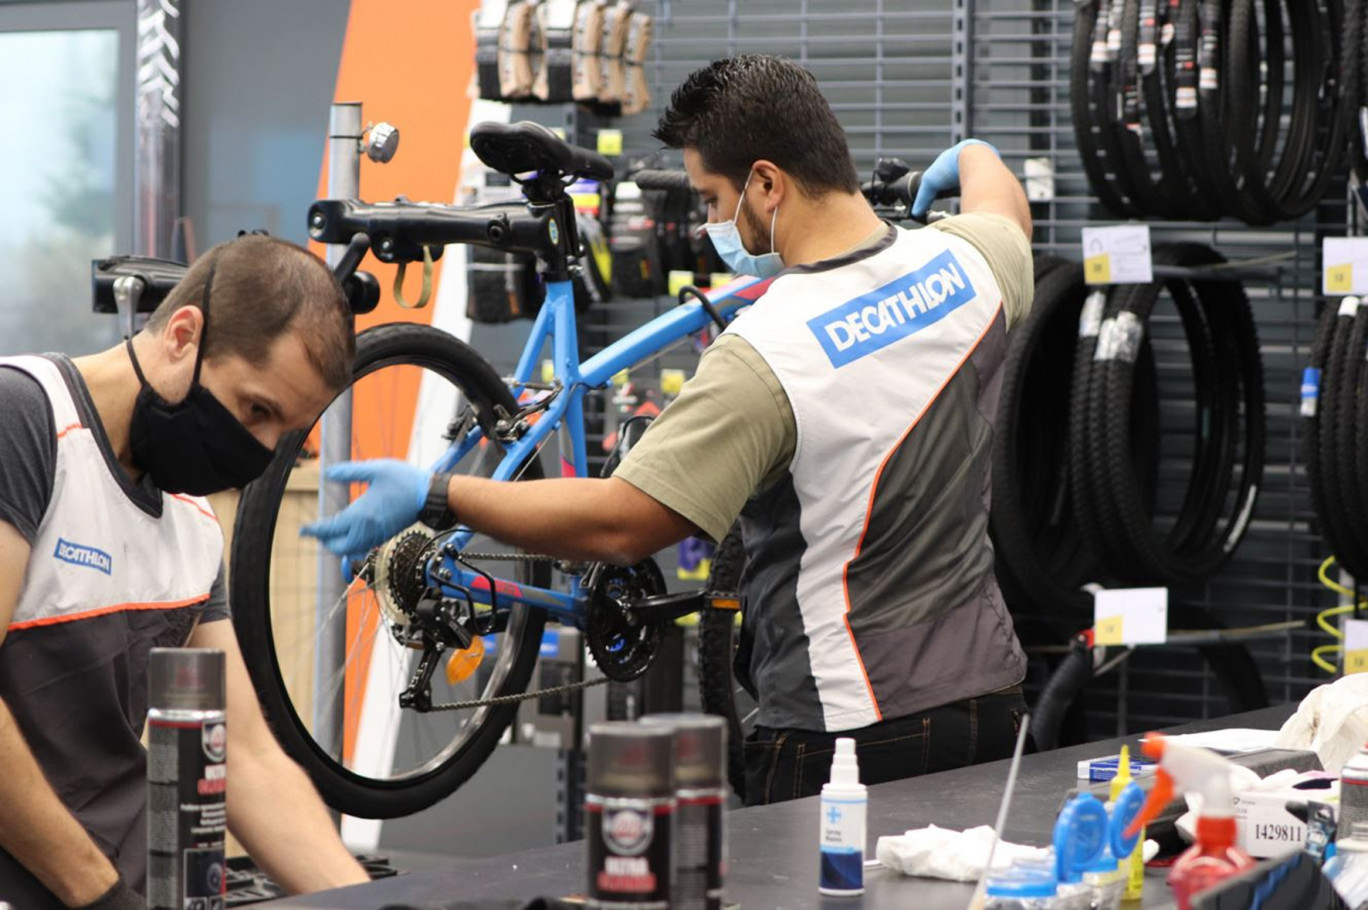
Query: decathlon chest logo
x,y
79,555
900,308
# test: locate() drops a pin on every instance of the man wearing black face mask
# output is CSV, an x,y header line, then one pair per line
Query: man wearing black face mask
x,y
106,551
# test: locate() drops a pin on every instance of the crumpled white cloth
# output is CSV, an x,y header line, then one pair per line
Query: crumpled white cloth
x,y
1332,721
958,856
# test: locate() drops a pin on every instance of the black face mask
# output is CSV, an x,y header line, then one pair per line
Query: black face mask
x,y
196,446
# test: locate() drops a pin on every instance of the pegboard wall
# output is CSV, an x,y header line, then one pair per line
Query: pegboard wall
x,y
909,79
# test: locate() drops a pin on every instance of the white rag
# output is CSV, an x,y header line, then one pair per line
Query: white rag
x,y
1332,721
958,856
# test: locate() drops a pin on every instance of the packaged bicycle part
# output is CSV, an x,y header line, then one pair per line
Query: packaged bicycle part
x,y
186,779
488,28
554,81
629,808
612,73
636,93
515,46
586,69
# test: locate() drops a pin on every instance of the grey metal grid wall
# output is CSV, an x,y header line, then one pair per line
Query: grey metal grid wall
x,y
907,79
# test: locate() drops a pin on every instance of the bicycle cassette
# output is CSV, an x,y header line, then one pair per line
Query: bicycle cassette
x,y
623,642
400,573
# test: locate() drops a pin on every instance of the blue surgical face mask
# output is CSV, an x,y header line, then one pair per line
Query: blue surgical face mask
x,y
726,239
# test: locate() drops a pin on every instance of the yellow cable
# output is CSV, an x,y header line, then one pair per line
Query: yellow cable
x,y
1321,662
1323,615
1325,579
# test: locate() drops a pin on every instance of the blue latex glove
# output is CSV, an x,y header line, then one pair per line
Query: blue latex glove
x,y
943,174
392,502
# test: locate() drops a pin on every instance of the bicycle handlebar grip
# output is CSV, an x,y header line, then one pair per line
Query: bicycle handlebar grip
x,y
651,179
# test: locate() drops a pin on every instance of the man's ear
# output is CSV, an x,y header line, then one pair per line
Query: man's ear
x,y
181,335
773,182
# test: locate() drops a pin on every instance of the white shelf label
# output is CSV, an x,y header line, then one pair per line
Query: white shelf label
x,y
1355,646
1130,616
1119,254
1345,266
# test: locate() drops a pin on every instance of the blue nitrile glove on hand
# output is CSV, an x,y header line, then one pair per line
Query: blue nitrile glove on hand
x,y
396,494
942,175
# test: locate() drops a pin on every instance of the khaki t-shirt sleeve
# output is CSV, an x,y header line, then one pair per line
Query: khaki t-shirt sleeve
x,y
728,435
1003,244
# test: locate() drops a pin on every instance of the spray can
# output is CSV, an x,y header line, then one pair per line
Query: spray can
x,y
701,796
845,802
629,808
1353,805
187,751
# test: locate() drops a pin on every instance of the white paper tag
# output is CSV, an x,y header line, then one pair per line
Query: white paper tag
x,y
1130,616
1119,254
1346,266
1040,179
1356,645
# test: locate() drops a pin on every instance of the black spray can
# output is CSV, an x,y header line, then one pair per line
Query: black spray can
x,y
629,809
701,796
187,752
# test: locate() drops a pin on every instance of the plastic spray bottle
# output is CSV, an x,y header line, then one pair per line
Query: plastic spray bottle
x,y
844,804
1214,856
1132,865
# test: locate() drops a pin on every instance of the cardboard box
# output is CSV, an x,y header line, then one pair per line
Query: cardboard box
x,y
1264,826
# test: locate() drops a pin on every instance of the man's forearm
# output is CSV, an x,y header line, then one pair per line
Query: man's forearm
x,y
569,518
276,813
986,185
40,832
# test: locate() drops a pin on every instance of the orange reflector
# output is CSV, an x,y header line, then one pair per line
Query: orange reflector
x,y
461,664
725,603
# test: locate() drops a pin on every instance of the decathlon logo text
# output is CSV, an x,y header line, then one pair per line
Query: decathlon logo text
x,y
78,555
906,305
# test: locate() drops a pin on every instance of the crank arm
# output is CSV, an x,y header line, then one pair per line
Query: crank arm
x,y
664,607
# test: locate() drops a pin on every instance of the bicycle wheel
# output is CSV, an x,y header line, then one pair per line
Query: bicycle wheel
x,y
721,692
328,671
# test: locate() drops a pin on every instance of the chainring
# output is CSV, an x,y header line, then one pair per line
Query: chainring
x,y
623,642
400,574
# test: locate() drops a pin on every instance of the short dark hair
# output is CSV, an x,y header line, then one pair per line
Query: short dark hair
x,y
263,288
741,109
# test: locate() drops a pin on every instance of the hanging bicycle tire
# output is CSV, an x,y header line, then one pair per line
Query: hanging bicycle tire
x,y
371,758
722,690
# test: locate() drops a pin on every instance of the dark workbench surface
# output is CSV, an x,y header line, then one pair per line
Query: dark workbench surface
x,y
774,848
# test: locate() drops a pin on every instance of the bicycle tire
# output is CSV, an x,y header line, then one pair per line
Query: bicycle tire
x,y
1091,151
253,543
717,640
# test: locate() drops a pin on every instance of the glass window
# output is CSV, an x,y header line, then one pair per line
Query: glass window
x,y
60,104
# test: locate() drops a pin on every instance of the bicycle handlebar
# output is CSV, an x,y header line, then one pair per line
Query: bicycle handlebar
x,y
651,179
155,278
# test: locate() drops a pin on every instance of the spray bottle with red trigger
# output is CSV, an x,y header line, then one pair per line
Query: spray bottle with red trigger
x,y
1214,856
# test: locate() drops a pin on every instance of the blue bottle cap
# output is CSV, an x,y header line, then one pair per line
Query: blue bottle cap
x,y
1080,835
1128,804
1016,882
1105,861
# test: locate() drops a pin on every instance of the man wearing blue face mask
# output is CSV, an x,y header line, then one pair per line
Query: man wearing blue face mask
x,y
846,418
107,551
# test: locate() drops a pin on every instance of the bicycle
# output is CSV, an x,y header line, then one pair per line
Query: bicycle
x,y
379,736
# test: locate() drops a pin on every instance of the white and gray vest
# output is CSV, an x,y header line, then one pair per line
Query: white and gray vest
x,y
870,591
106,581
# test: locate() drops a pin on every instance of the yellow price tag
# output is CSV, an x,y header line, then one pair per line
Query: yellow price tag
x,y
622,377
548,371
610,142
1108,630
1355,661
1097,269
671,381
1339,279
679,279
720,278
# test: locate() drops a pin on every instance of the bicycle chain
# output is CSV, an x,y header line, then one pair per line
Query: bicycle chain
x,y
509,557
520,696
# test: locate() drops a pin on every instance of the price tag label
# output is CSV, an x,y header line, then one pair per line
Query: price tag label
x,y
1118,254
1355,646
1345,265
671,382
1130,616
1110,630
610,142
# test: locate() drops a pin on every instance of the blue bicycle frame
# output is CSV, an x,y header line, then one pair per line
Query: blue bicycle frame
x,y
556,323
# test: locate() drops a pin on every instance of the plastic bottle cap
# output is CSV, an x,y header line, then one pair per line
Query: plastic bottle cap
x,y
1080,835
187,679
1105,861
1124,811
845,767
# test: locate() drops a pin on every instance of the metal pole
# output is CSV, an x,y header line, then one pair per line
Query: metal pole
x,y
344,182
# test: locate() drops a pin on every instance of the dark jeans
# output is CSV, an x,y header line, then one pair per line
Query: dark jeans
x,y
788,764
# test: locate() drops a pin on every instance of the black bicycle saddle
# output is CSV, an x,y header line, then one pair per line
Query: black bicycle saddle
x,y
516,148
